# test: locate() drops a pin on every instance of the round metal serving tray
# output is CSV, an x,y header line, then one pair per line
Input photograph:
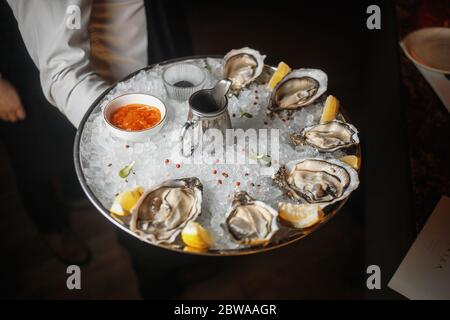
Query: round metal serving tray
x,y
289,235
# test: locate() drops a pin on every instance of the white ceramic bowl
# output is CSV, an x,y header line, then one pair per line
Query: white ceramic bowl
x,y
134,98
429,47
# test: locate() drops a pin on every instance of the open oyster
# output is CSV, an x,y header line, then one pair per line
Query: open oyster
x,y
249,221
317,180
328,136
298,89
242,66
164,210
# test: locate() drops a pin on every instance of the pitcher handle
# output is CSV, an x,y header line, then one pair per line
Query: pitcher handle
x,y
186,126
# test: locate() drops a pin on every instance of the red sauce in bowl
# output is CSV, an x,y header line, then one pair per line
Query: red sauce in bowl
x,y
135,117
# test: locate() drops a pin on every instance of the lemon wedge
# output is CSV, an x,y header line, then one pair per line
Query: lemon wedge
x,y
125,201
195,236
300,216
352,161
194,250
282,70
330,109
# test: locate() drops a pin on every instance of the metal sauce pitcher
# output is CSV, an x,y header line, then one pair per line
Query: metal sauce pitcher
x,y
207,109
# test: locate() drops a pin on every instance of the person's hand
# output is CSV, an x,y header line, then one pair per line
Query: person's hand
x,y
11,108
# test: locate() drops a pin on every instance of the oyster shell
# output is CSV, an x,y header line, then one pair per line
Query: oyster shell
x,y
328,136
317,180
299,88
242,66
163,211
251,222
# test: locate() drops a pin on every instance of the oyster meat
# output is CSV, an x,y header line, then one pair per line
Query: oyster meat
x,y
164,210
317,180
251,222
299,88
328,136
242,66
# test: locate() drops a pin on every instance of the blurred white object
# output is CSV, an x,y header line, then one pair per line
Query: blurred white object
x,y
429,50
118,37
425,271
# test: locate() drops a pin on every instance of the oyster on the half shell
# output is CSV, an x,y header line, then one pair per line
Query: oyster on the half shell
x,y
299,88
165,209
328,136
249,221
242,66
317,180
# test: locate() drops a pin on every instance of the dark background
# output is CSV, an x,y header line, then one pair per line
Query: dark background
x,y
376,226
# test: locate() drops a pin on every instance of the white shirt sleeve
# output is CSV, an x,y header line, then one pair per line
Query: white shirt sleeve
x,y
60,53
